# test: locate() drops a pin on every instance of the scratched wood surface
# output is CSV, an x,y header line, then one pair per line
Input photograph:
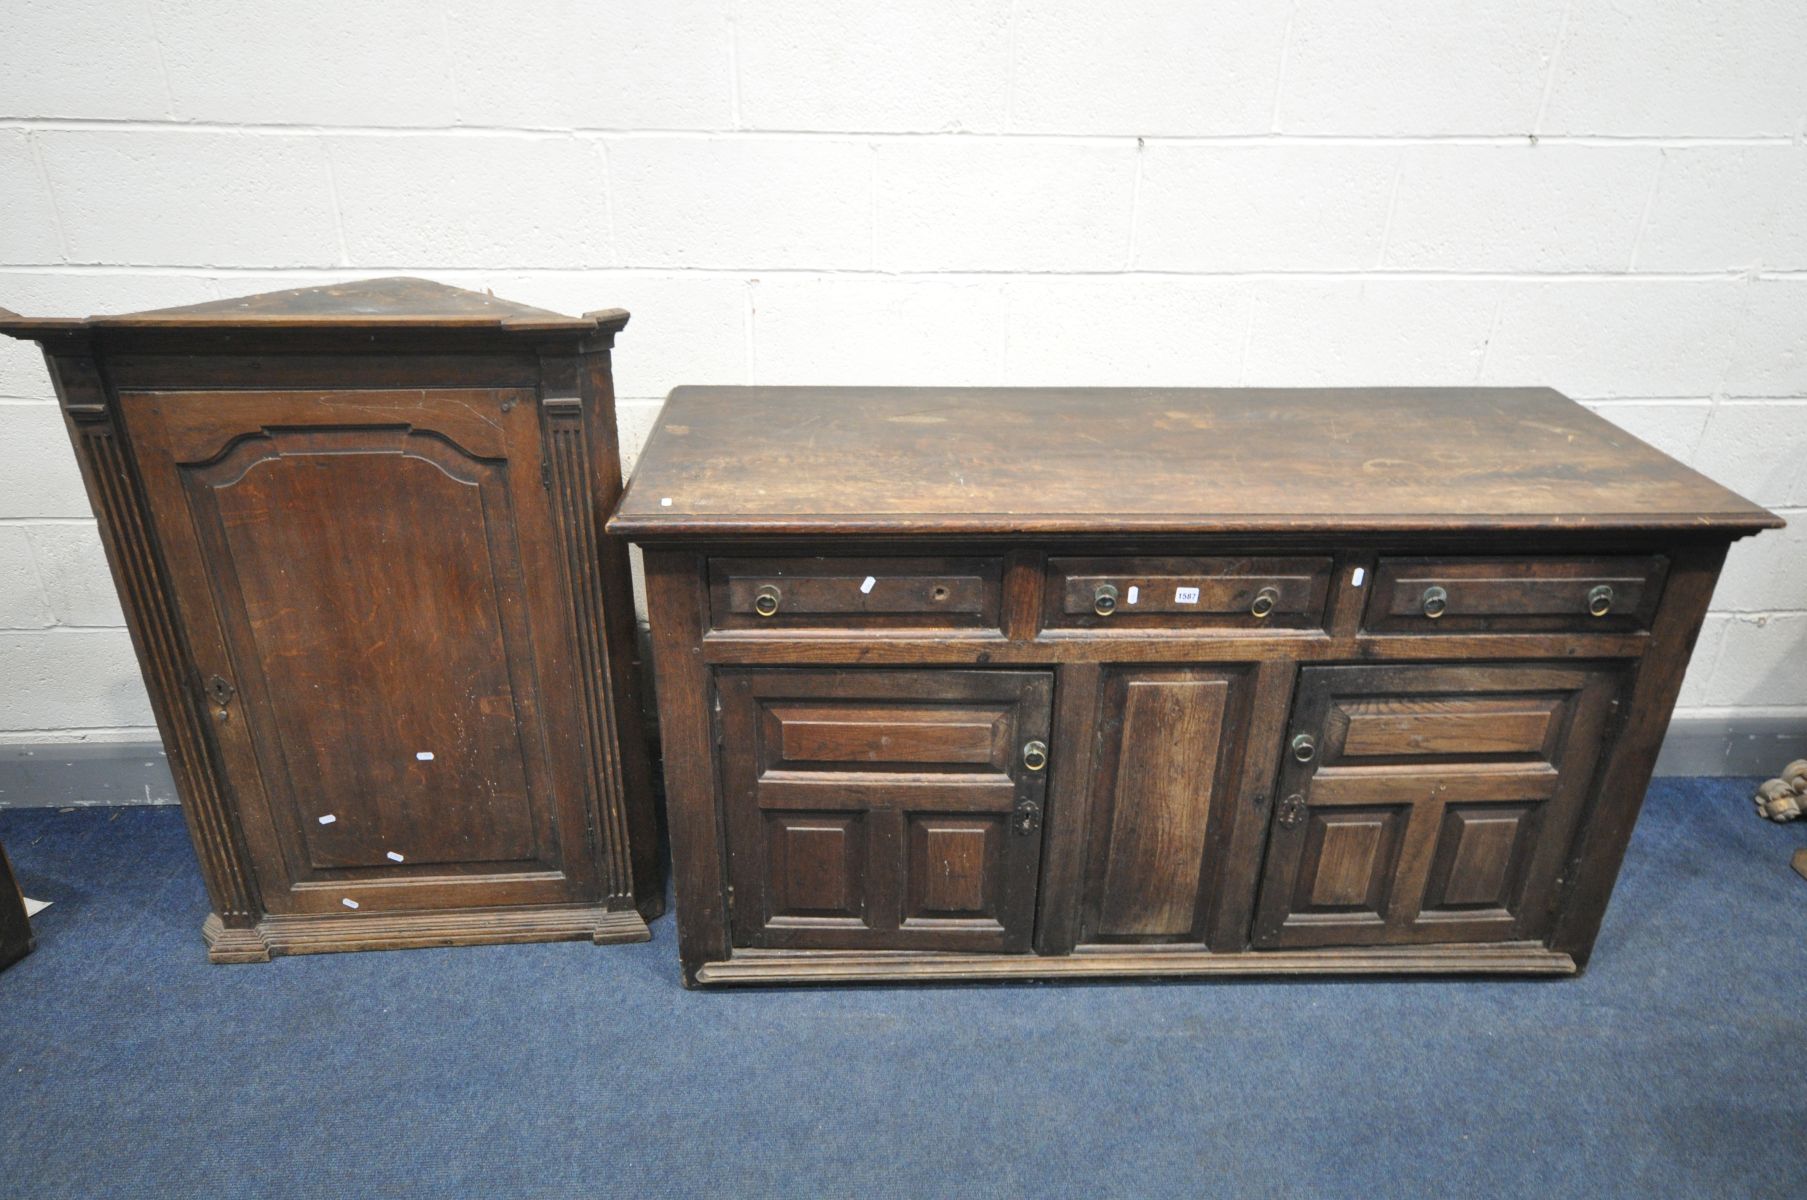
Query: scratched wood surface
x,y
785,460
397,301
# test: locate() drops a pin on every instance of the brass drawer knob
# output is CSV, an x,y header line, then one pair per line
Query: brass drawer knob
x,y
1305,747
1035,755
1264,601
1599,601
1436,600
1104,600
765,601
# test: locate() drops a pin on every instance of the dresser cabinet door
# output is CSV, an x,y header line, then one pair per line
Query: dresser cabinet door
x,y
1171,742
1429,803
369,581
884,809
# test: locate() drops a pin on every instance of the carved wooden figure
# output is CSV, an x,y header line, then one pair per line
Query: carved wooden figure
x,y
357,532
980,684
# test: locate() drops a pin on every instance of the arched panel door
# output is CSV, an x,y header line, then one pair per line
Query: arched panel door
x,y
358,576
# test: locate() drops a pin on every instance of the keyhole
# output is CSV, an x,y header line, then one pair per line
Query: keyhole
x,y
939,593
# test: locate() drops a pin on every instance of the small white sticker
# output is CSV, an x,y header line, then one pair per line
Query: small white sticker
x,y
1185,595
664,501
871,582
1135,593
394,857
348,902
424,755
328,819
1355,580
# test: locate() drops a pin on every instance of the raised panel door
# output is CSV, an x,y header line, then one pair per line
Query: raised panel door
x,y
1429,803
358,572
884,809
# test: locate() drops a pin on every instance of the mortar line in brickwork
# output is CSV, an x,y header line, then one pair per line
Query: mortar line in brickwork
x,y
169,90
1392,274
1386,227
56,212
332,192
1656,190
1286,42
1549,74
601,150
749,315
1135,207
1493,330
278,129
733,22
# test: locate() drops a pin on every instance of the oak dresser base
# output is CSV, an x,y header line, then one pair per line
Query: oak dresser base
x,y
781,967
1010,684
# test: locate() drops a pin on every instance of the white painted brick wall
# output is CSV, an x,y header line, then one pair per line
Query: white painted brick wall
x,y
735,203
1173,68
1448,68
1263,207
477,199
1609,198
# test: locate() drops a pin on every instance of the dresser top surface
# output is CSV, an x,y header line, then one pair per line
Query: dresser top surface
x,y
983,461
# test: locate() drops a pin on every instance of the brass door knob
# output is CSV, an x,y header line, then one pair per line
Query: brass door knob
x,y
765,601
1436,600
1305,747
1104,600
1599,601
1264,601
1035,755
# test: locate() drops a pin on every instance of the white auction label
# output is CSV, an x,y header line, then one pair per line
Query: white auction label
x,y
1135,593
1185,595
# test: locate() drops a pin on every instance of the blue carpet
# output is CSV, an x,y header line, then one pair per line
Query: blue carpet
x,y
129,1067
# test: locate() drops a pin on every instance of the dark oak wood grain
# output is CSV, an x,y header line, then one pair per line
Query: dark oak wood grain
x,y
365,304
1436,806
357,532
883,810
1474,606
1163,785
772,460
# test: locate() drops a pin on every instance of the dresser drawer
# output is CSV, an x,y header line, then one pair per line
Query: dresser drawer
x,y
855,593
1252,593
1514,595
